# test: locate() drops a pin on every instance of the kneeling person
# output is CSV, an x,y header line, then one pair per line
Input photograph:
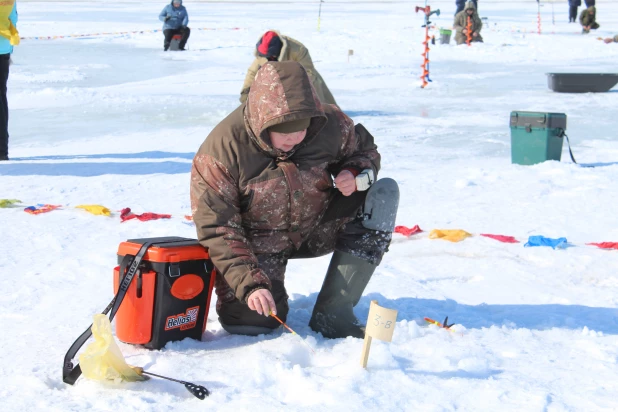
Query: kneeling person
x,y
262,192
588,19
468,15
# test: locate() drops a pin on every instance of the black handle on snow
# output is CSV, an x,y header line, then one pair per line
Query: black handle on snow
x,y
198,391
71,372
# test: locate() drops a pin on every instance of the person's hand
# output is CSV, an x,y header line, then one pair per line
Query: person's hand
x,y
167,18
262,302
609,40
183,27
465,31
346,182
475,34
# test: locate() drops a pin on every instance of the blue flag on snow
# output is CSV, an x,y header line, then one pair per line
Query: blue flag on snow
x,y
545,241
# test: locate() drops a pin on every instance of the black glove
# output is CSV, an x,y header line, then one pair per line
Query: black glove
x,y
167,18
183,27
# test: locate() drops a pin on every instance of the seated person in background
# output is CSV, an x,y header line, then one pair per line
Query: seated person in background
x,y
273,46
612,40
588,19
175,19
286,177
461,24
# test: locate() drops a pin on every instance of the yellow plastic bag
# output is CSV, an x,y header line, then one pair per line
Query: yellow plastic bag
x,y
452,235
95,209
102,359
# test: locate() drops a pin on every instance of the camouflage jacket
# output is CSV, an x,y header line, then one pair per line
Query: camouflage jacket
x,y
295,51
587,19
249,198
461,21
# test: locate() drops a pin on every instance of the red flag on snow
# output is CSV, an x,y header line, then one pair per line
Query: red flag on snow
x,y
406,231
501,238
605,245
126,214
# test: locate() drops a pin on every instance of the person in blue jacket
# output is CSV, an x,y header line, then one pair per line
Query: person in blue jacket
x,y
8,37
573,6
175,19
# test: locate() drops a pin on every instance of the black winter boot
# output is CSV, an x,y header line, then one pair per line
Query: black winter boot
x,y
345,281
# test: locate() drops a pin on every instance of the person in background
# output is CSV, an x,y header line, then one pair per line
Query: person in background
x,y
461,24
287,177
273,46
573,6
460,4
175,20
611,40
9,37
590,3
588,20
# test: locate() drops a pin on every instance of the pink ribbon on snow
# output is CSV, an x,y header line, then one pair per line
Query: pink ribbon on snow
x,y
501,238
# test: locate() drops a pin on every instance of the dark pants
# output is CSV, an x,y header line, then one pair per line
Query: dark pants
x,y
339,229
4,110
573,13
169,33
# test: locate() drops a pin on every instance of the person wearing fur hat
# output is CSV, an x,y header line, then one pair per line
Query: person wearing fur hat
x,y
175,20
273,46
461,24
588,20
283,177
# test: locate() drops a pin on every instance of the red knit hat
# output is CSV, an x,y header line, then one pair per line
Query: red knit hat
x,y
269,45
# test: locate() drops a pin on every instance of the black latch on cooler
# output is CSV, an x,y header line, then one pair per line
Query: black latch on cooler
x,y
174,270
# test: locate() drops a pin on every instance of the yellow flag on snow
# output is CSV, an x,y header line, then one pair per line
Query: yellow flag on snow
x,y
452,235
95,209
7,29
102,359
8,202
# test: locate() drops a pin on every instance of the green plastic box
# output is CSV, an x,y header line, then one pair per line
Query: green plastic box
x,y
536,137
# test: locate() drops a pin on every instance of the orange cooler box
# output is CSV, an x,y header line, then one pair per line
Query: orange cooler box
x,y
169,296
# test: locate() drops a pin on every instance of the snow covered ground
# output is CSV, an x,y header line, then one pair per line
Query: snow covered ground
x,y
112,120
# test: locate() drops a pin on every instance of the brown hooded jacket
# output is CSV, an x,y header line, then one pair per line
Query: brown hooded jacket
x,y
249,198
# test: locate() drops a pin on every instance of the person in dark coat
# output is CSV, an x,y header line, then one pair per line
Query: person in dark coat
x,y
590,3
175,19
8,38
573,6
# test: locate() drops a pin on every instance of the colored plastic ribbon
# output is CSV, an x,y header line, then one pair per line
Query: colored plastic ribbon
x,y
8,202
40,208
559,243
501,238
95,209
406,231
126,214
605,245
452,235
